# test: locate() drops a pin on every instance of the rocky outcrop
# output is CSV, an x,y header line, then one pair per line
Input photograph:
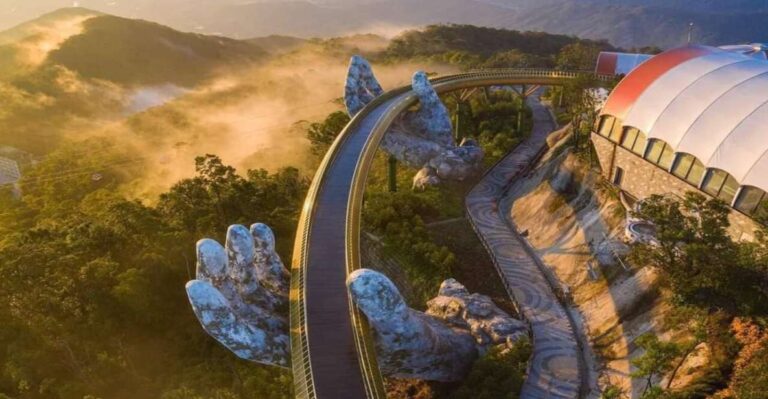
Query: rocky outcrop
x,y
361,87
240,295
421,138
439,345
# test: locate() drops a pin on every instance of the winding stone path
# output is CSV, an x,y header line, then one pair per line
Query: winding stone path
x,y
554,371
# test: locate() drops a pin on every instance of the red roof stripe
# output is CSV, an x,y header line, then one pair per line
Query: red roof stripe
x,y
634,84
606,63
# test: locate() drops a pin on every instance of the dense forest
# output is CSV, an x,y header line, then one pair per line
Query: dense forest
x,y
93,270
477,47
94,282
94,277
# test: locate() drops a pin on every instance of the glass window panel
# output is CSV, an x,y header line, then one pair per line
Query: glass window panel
x,y
654,151
682,166
667,156
616,131
714,181
639,146
748,199
606,124
696,173
628,141
729,189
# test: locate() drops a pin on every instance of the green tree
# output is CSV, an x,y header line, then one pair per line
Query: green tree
x,y
500,373
322,134
613,392
93,285
701,262
578,57
657,360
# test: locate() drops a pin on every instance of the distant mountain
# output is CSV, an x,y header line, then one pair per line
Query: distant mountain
x,y
140,52
277,44
627,23
125,51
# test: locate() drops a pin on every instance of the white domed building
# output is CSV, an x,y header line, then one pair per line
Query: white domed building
x,y
691,118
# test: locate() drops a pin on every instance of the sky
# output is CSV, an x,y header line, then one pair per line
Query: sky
x,y
14,12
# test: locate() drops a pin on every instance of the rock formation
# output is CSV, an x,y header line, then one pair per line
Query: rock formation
x,y
240,295
439,345
420,139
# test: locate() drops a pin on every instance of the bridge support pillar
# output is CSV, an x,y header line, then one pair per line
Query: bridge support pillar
x,y
392,174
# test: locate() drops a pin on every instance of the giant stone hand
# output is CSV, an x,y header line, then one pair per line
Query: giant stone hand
x,y
240,295
361,86
409,344
439,345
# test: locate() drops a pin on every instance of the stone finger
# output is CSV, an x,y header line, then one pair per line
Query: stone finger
x,y
240,253
376,296
211,260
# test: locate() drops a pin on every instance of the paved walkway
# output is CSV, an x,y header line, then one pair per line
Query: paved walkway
x,y
554,371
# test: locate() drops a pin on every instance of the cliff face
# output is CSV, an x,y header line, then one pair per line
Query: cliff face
x,y
439,345
421,138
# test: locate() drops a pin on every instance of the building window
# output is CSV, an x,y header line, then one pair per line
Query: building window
x,y
606,124
634,140
721,185
639,146
667,156
659,153
750,198
616,131
688,168
618,176
630,135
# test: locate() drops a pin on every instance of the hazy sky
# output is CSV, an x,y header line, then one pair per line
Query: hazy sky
x,y
13,12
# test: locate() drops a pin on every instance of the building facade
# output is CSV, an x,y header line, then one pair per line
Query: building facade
x,y
691,119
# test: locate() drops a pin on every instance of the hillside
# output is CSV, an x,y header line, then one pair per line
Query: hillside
x,y
480,41
276,44
140,52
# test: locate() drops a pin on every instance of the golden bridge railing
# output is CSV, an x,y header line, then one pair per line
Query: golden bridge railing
x,y
300,353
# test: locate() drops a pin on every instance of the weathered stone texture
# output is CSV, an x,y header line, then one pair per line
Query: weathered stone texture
x,y
421,138
439,345
241,293
361,86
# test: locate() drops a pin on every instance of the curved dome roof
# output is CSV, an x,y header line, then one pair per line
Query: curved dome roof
x,y
705,101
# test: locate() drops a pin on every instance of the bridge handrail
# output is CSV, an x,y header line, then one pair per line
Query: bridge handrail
x,y
301,358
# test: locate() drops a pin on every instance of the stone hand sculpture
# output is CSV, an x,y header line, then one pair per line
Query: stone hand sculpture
x,y
422,138
487,323
240,295
361,87
409,344
439,345
431,120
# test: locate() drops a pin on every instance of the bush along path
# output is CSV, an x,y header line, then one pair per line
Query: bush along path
x,y
555,370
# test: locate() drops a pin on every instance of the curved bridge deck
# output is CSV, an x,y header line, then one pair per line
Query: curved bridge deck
x,y
332,350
